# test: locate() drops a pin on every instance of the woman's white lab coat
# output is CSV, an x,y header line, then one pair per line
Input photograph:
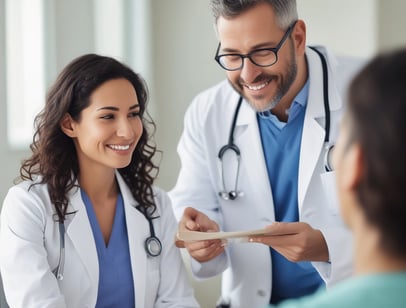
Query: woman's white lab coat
x,y
247,267
29,251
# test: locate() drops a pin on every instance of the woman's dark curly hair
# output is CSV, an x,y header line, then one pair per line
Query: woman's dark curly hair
x,y
54,156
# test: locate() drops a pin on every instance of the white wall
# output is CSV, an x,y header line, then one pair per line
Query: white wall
x,y
346,26
184,45
179,61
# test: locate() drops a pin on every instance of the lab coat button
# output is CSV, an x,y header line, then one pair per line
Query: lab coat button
x,y
261,293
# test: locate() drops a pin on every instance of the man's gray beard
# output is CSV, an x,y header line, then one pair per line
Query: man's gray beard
x,y
274,102
290,78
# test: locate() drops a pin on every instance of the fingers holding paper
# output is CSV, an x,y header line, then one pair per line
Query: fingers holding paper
x,y
296,241
201,251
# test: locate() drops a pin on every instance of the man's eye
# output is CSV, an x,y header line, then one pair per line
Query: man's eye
x,y
233,58
262,53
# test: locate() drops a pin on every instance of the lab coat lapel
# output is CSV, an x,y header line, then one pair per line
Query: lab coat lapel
x,y
248,138
79,231
313,132
138,231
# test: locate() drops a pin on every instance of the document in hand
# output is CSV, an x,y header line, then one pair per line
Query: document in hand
x,y
193,236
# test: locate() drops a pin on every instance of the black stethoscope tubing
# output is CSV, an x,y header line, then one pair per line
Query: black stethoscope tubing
x,y
233,194
231,145
326,99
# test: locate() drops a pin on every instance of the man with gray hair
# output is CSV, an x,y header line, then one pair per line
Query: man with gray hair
x,y
255,155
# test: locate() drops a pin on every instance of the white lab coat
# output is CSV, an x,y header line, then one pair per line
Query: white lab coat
x,y
247,269
29,251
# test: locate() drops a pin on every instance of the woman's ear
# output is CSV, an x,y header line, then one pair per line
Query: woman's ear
x,y
67,125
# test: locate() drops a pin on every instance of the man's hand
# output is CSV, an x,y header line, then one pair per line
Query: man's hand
x,y
296,241
201,251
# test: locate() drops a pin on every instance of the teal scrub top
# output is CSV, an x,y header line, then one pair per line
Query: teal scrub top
x,y
387,290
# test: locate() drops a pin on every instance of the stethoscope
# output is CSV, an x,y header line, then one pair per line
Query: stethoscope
x,y
152,245
232,147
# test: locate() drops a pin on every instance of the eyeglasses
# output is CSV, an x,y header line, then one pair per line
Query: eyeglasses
x,y
261,57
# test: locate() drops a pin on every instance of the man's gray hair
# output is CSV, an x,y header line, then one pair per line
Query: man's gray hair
x,y
285,10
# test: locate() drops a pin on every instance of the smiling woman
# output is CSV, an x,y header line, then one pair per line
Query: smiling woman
x,y
85,208
109,129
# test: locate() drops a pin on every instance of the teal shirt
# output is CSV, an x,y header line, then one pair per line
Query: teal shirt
x,y
386,290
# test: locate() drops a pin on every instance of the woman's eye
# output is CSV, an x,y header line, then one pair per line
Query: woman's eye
x,y
107,117
134,114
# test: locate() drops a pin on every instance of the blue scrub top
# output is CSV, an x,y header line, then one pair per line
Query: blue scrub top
x,y
281,145
116,285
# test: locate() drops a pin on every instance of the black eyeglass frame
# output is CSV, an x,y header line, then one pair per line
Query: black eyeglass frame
x,y
248,55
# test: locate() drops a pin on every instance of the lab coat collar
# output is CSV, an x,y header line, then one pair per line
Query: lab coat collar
x,y
138,231
246,115
315,108
79,232
313,127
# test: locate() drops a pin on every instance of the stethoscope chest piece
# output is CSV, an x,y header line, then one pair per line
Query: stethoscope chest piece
x,y
231,147
153,246
233,193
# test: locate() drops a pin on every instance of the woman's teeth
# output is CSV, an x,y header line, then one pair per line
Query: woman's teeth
x,y
119,147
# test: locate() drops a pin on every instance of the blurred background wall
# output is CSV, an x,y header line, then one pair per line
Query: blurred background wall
x,y
172,44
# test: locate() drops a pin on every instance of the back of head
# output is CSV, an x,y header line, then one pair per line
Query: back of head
x,y
285,10
377,109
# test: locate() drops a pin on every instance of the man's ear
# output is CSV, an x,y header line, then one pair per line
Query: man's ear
x,y
299,37
67,125
354,166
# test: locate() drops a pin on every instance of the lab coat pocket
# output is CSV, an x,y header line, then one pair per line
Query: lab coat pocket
x,y
328,181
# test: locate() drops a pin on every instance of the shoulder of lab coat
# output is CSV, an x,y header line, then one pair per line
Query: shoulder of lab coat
x,y
208,108
27,277
195,150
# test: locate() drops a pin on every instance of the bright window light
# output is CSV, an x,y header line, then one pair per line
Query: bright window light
x,y
25,68
109,36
